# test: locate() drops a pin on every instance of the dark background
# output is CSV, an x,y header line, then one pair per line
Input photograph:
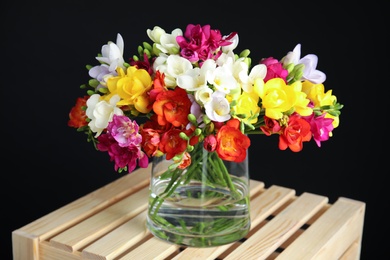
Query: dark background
x,y
47,164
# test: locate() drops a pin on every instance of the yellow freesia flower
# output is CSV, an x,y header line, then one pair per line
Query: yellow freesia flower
x,y
278,98
247,105
316,93
132,87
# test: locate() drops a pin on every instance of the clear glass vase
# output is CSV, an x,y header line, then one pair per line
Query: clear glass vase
x,y
204,205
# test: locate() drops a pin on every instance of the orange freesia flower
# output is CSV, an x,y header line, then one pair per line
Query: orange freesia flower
x,y
294,134
77,116
158,87
172,106
185,161
232,143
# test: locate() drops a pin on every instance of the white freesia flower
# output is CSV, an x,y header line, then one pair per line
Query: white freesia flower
x,y
222,79
190,80
165,42
218,109
155,34
292,56
258,71
101,112
168,42
176,66
203,95
233,45
195,79
309,61
112,54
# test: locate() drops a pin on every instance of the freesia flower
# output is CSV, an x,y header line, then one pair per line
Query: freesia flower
x,y
294,134
112,54
77,116
127,151
232,144
320,127
309,61
100,112
218,108
131,86
193,85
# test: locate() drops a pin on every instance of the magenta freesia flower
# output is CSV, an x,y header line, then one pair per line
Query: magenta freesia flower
x,y
274,69
321,127
200,43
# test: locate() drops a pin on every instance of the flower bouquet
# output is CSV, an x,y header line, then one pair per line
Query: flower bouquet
x,y
188,101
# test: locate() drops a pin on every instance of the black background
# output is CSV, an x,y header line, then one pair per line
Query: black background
x,y
47,164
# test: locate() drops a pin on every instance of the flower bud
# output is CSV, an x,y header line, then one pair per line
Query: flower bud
x,y
245,53
147,46
210,143
190,148
140,50
198,131
192,119
206,119
184,136
93,83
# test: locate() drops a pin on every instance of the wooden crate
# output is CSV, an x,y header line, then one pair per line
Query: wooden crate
x,y
109,223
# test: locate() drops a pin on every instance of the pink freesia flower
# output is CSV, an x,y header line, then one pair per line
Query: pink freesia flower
x,y
122,142
124,131
210,143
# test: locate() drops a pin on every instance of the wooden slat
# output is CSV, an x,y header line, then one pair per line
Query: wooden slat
x,y
268,202
118,240
153,248
266,240
92,228
47,252
331,235
353,252
195,253
25,240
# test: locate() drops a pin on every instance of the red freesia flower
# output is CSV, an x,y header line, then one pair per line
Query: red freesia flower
x,y
151,133
232,143
294,134
172,144
271,126
77,116
145,64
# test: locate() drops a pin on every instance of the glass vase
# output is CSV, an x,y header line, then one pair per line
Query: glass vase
x,y
204,205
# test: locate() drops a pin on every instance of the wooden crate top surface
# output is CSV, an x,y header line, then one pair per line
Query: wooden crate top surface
x,y
109,223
